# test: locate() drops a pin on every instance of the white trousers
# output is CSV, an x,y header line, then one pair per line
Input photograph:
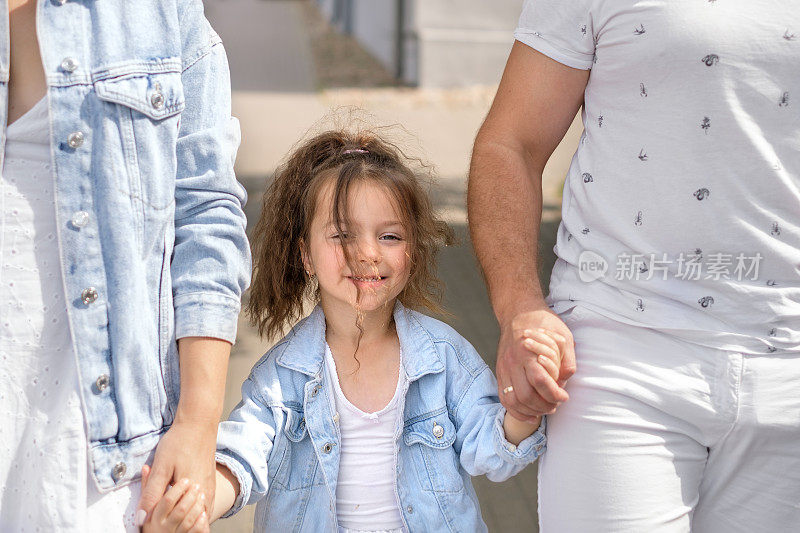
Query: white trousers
x,y
660,435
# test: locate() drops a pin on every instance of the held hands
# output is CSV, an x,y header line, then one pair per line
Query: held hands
x,y
535,358
181,509
185,452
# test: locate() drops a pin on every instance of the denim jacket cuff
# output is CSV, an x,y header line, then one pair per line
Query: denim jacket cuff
x,y
241,476
206,315
526,451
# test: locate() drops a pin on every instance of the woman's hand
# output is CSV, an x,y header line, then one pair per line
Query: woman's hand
x,y
187,449
185,452
181,510
523,338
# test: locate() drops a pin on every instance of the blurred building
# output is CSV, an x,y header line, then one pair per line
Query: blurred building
x,y
431,43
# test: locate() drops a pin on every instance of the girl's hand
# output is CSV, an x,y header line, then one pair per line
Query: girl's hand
x,y
185,451
180,510
546,345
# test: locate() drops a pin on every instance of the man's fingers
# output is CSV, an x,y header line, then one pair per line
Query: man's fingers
x,y
544,384
510,399
568,364
157,481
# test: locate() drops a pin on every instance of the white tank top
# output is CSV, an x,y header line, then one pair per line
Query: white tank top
x,y
365,492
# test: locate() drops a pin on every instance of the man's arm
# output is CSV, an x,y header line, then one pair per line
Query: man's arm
x,y
535,104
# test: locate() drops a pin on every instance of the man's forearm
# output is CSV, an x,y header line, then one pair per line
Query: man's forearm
x,y
504,202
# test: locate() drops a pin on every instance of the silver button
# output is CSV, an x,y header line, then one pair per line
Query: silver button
x,y
538,447
89,295
438,431
410,509
69,65
75,139
102,382
157,100
512,448
336,418
118,472
80,219
316,390
327,447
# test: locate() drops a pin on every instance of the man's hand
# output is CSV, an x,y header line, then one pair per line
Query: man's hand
x,y
523,338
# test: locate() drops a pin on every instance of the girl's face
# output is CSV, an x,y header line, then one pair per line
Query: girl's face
x,y
377,244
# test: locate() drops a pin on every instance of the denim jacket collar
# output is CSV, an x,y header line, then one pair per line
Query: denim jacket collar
x,y
305,351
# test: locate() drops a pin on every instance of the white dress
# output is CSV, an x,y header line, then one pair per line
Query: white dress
x,y
44,482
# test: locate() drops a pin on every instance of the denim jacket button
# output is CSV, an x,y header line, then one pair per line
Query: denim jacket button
x,y
69,65
512,448
410,509
157,100
80,219
327,447
75,139
118,472
336,418
102,382
438,431
89,295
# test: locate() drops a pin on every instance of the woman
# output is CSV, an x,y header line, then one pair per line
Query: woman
x,y
122,232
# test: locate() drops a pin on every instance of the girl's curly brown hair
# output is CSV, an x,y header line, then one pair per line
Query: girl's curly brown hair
x,y
280,284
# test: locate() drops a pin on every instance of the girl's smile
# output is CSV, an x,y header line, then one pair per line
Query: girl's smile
x,y
376,267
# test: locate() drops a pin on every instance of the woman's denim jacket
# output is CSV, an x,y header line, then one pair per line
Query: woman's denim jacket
x,y
149,213
282,440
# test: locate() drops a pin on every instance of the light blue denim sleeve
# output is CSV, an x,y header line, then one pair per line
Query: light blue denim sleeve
x,y
480,436
211,258
244,443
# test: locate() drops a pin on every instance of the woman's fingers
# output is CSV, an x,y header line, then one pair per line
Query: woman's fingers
x,y
158,479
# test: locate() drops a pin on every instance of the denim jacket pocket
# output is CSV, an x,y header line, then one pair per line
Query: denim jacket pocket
x,y
435,460
299,469
147,98
145,87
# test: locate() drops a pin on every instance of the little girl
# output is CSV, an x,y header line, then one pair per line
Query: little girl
x,y
368,415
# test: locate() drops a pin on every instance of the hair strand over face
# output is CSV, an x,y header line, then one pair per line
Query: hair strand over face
x,y
280,286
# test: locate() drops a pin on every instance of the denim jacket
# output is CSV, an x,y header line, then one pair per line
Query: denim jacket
x,y
281,441
149,213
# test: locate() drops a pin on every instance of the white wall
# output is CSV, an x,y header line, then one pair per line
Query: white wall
x,y
374,24
446,43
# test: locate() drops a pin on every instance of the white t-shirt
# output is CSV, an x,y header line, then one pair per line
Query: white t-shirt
x,y
365,490
691,149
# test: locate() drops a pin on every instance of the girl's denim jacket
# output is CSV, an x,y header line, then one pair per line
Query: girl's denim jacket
x,y
282,440
149,213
